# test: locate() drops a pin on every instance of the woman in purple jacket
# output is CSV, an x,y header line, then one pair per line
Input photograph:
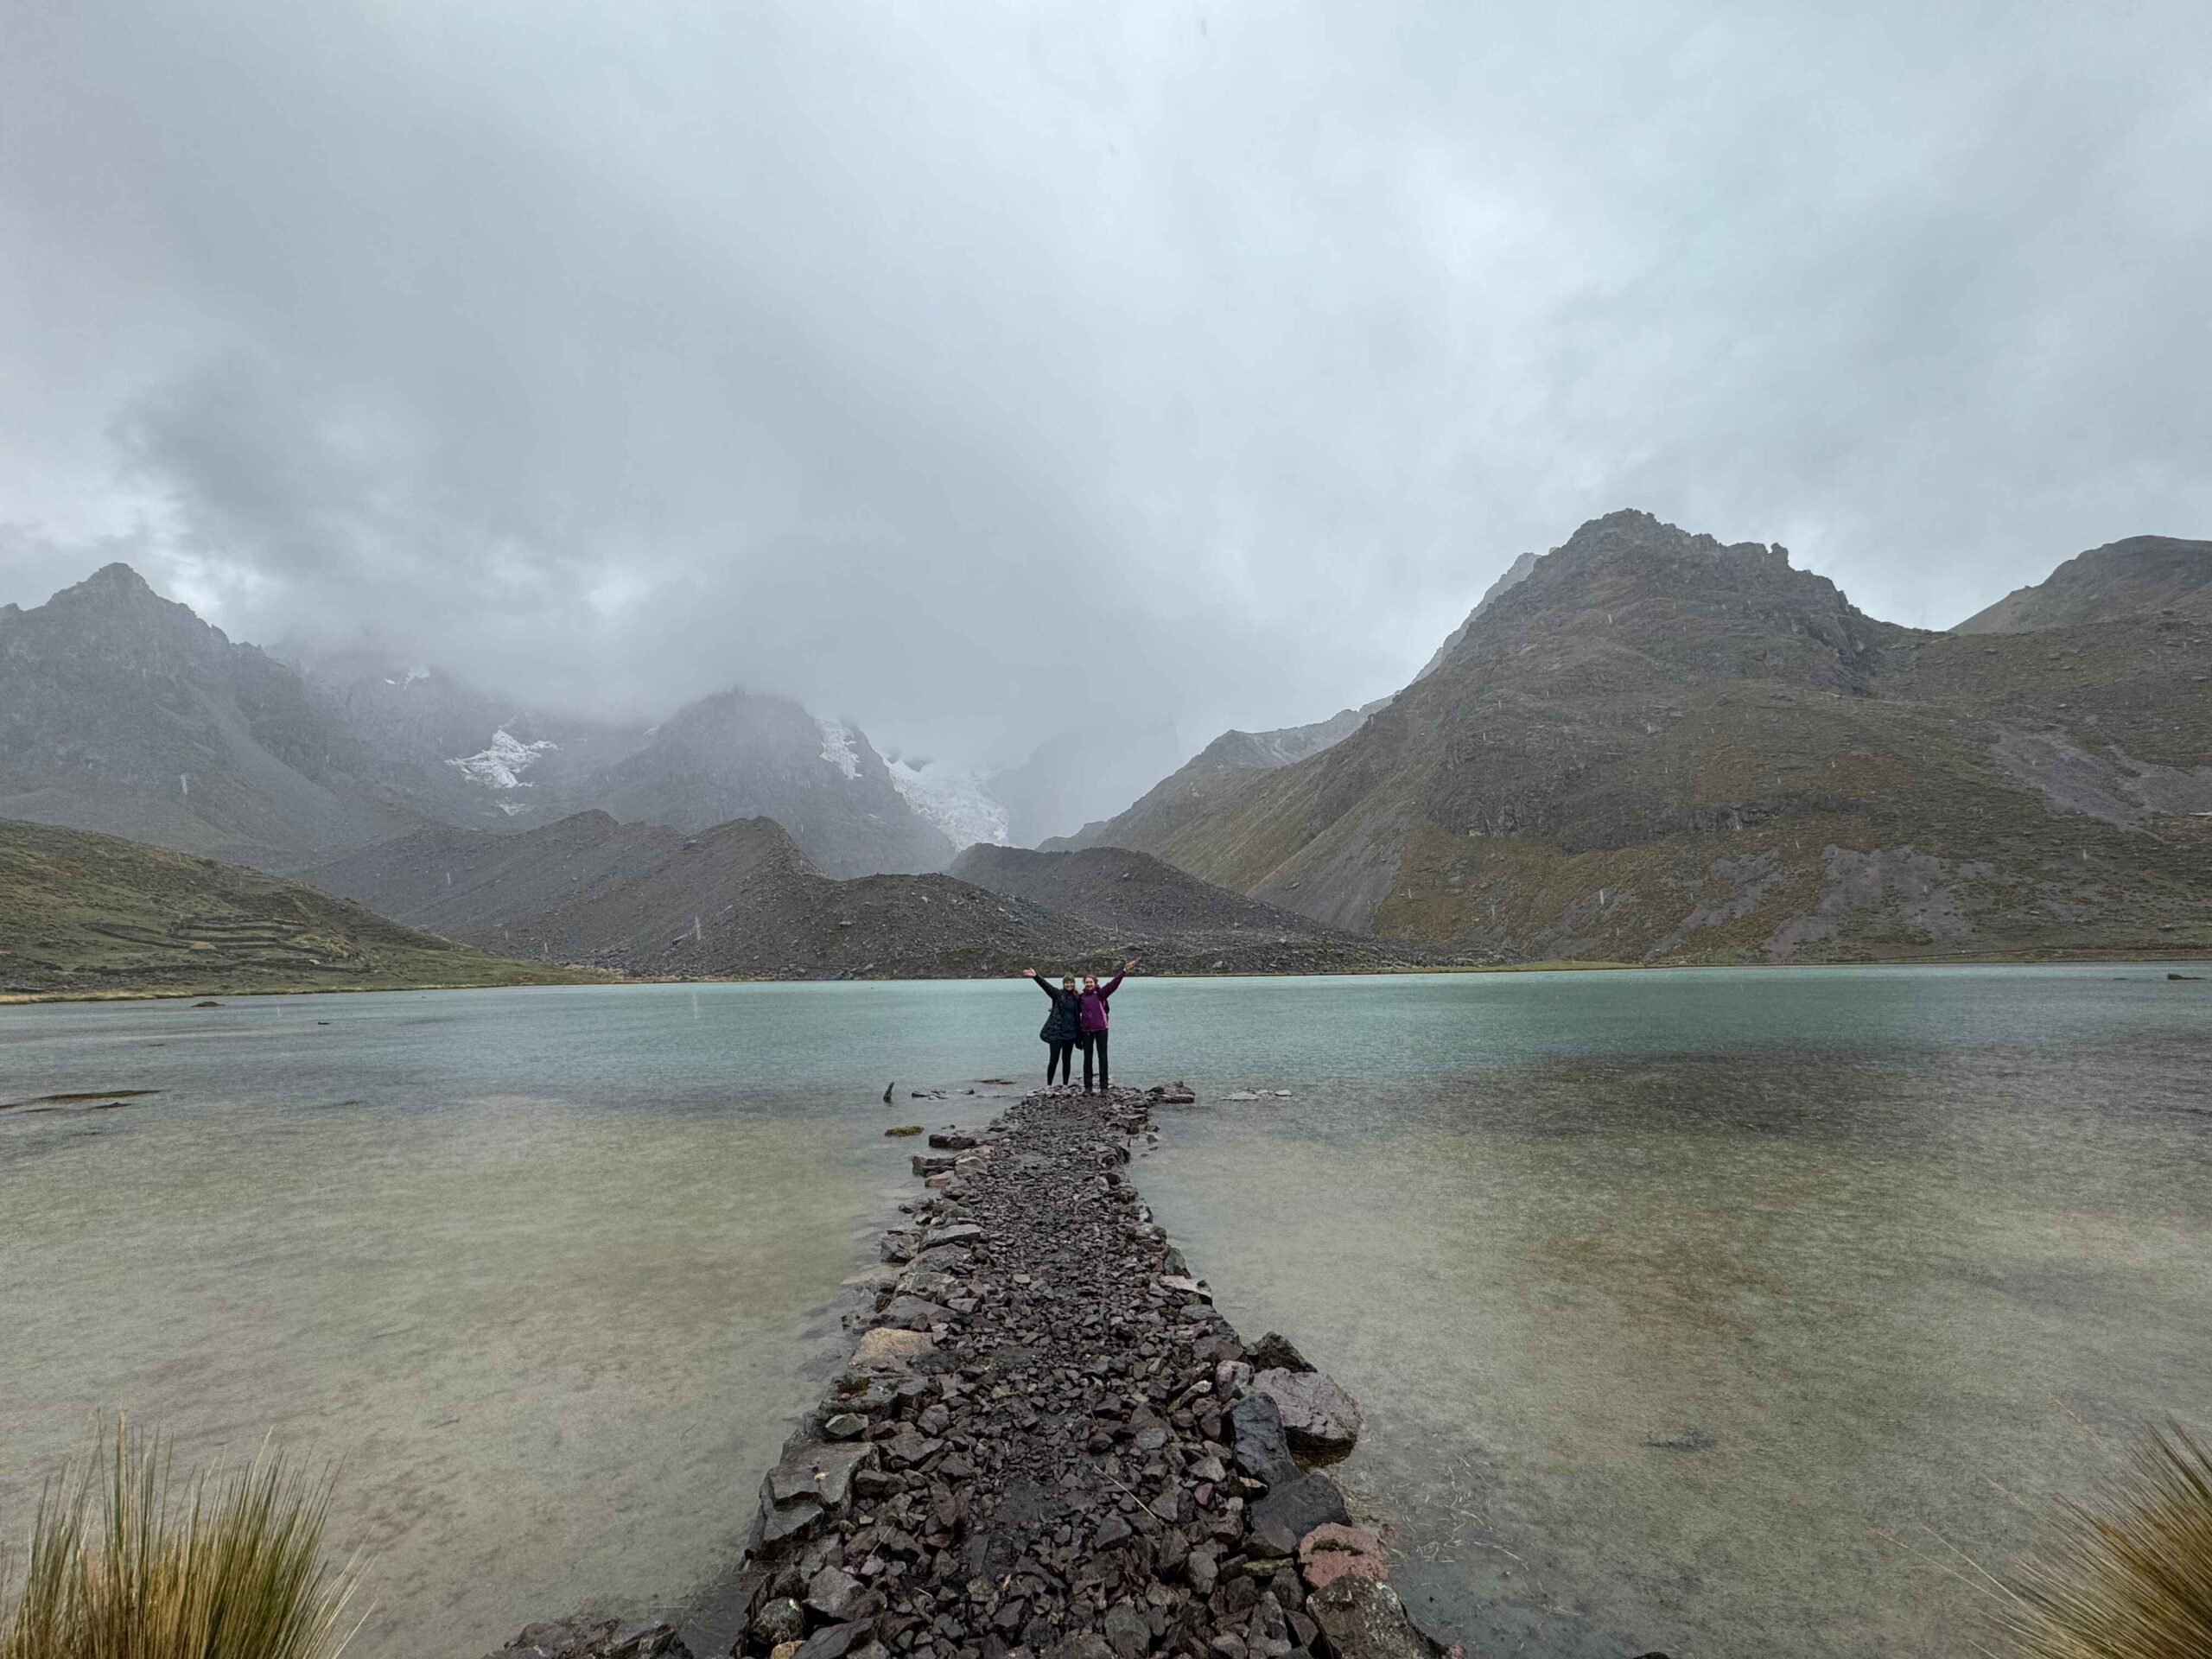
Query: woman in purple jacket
x,y
1093,1017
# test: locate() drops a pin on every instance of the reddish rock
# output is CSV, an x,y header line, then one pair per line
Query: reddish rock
x,y
1331,1552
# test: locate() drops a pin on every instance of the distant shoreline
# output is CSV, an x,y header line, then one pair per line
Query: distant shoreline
x,y
2174,955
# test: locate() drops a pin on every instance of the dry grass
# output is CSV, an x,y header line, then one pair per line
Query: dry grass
x,y
2129,1576
123,1567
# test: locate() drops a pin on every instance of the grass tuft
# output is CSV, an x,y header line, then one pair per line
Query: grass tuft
x,y
123,1566
2129,1577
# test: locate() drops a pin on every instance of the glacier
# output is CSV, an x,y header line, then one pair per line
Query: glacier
x,y
837,746
501,764
956,801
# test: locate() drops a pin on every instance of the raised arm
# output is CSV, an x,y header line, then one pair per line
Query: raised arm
x,y
1110,986
1038,980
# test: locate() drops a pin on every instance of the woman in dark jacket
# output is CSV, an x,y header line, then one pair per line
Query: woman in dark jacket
x,y
1063,1026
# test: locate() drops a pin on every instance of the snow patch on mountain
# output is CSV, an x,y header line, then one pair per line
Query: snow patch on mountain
x,y
501,764
956,801
837,746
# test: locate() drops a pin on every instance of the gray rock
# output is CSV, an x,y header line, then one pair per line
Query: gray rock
x,y
927,1286
1266,1634
1315,1414
909,1447
1362,1618
584,1636
832,1641
781,1522
913,1314
1203,1567
1293,1507
1261,1449
1275,1352
1126,1632
845,1426
823,1473
944,1258
831,1591
781,1620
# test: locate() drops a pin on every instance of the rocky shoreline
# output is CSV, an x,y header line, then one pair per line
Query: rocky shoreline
x,y
1049,1445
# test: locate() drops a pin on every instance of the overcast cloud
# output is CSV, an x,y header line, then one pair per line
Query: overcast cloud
x,y
1207,360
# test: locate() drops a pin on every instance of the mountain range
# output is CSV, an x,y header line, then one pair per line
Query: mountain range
x,y
1642,746
1649,746
741,900
123,712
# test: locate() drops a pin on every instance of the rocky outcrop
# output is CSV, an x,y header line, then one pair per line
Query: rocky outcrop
x,y
2121,579
591,1635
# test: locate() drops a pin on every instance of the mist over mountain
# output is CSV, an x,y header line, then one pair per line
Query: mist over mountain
x,y
123,712
1644,745
742,899
913,368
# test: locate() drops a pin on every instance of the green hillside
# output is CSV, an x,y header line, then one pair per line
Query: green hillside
x,y
84,914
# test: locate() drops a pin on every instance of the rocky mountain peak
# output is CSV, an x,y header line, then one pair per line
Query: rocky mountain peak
x,y
116,603
2123,578
1631,584
117,576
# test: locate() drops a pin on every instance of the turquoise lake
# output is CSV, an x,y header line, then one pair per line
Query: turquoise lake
x,y
1709,1310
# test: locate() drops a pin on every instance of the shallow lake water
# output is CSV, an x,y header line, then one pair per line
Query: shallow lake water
x,y
1705,1309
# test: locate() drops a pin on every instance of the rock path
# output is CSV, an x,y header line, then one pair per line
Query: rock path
x,y
1048,1444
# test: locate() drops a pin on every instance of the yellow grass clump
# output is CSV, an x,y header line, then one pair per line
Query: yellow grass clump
x,y
126,1567
2129,1577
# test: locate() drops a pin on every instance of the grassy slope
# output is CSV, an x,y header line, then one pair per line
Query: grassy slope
x,y
83,914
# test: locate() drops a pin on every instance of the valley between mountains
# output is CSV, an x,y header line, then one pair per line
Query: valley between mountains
x,y
1645,745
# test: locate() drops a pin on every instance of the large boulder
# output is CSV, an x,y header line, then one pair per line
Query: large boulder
x,y
593,1636
1275,1353
1261,1448
808,1485
1292,1508
1333,1551
832,1591
887,1349
1363,1618
913,1314
1317,1416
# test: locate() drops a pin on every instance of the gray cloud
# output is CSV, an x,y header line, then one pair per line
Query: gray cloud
x,y
920,360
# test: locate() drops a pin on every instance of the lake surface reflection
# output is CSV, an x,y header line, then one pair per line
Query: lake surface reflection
x,y
1703,1310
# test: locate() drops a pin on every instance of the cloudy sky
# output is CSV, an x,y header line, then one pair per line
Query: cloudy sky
x,y
1204,360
